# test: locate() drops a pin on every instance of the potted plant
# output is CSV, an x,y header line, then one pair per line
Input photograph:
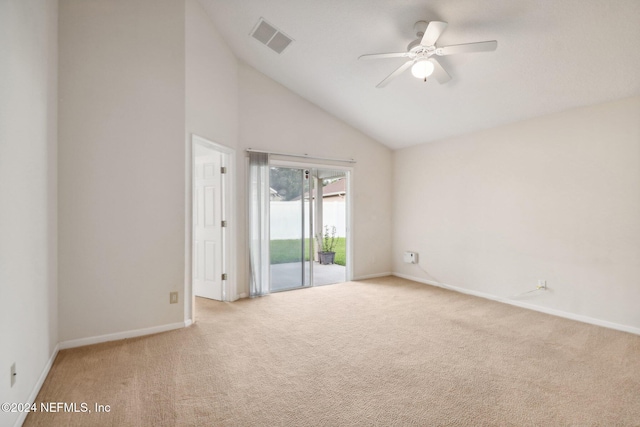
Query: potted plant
x,y
326,245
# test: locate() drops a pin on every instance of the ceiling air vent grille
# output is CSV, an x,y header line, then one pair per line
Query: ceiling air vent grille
x,y
269,35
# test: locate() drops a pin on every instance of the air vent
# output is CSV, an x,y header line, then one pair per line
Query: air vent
x,y
269,35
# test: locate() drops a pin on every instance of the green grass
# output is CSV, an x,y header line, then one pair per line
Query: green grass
x,y
283,251
341,251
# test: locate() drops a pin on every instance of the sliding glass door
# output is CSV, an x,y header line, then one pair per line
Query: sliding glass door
x,y
330,226
290,227
308,226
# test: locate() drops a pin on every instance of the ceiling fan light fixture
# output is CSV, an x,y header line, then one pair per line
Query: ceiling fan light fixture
x,y
420,53
422,69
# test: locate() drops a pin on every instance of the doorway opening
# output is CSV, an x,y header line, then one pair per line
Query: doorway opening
x,y
212,224
309,226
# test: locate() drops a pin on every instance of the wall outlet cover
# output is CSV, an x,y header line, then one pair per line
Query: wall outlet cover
x,y
173,298
410,257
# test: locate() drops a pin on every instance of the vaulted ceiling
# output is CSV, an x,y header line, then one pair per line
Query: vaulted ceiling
x,y
551,56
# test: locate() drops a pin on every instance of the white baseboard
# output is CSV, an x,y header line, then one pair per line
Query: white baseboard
x,y
38,386
552,311
373,276
121,335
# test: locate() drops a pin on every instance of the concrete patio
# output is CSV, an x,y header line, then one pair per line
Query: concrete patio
x,y
289,275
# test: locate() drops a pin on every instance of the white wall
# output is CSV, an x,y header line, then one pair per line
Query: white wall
x,y
122,165
555,198
28,231
211,100
211,80
276,119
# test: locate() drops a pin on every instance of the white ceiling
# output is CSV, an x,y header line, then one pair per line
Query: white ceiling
x,y
551,56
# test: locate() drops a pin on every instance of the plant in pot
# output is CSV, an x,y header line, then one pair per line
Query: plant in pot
x,y
326,245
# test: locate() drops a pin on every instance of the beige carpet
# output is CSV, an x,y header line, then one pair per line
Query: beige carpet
x,y
380,352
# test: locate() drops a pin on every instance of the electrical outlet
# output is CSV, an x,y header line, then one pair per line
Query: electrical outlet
x,y
173,298
542,284
13,374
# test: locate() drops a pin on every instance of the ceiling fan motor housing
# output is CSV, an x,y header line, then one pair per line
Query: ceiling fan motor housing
x,y
420,27
413,44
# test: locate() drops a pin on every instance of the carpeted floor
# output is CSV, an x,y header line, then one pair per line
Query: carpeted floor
x,y
380,352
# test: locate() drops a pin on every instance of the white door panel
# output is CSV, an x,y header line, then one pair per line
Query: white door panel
x,y
210,261
207,206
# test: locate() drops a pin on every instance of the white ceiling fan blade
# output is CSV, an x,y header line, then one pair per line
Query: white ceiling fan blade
x,y
397,72
487,46
385,55
439,73
433,32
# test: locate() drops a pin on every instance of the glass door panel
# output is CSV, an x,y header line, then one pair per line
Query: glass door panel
x,y
289,228
330,226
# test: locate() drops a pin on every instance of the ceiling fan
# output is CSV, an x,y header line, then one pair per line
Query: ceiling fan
x,y
422,53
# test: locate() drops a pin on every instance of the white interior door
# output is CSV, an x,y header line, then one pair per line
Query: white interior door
x,y
208,242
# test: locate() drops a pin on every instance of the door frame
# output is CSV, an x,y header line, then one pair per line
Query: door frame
x,y
228,185
349,204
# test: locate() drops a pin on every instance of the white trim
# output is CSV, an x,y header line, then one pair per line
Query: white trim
x,y
373,276
349,222
38,385
230,291
552,311
121,335
304,156
299,164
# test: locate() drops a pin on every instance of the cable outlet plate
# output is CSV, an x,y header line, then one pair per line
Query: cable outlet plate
x,y
410,257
